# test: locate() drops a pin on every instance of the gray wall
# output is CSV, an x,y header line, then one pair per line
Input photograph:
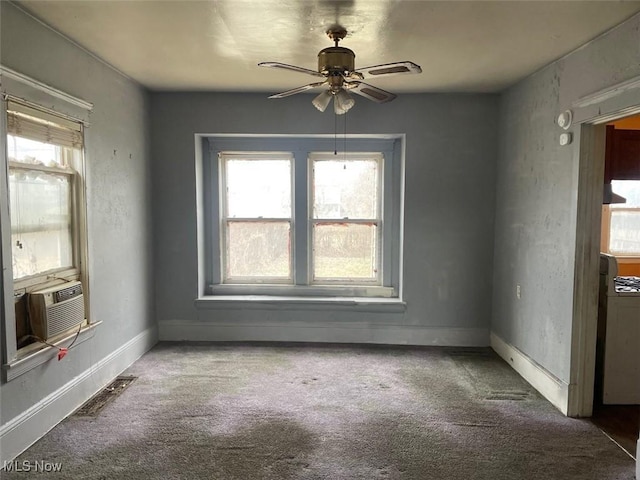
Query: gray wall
x,y
537,196
451,150
118,197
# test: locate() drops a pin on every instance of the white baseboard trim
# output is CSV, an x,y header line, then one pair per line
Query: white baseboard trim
x,y
24,430
329,332
549,386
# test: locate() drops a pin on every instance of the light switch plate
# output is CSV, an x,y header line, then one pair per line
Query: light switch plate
x,y
565,138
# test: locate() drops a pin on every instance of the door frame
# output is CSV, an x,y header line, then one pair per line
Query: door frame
x,y
590,113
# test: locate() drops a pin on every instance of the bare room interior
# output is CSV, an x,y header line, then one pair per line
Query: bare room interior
x,y
320,239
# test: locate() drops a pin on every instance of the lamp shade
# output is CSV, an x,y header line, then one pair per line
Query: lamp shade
x,y
343,102
322,100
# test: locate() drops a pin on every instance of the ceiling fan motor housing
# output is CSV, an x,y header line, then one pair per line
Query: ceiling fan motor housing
x,y
333,60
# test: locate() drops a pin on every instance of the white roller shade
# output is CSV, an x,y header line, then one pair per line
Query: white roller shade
x,y
27,122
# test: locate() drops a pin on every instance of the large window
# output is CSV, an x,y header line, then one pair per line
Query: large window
x,y
44,153
293,217
621,221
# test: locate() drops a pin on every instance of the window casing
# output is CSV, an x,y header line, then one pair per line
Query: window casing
x,y
323,248
62,123
46,215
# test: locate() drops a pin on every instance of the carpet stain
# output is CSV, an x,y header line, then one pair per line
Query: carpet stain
x,y
272,448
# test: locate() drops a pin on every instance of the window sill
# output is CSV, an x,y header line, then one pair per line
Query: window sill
x,y
33,359
272,302
303,291
626,258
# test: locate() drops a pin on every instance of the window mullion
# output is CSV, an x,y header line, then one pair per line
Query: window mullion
x,y
300,214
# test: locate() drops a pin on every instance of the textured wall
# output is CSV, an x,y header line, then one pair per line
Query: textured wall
x,y
118,198
537,196
449,203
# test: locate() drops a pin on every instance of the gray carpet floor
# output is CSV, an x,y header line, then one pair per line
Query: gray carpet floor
x,y
242,412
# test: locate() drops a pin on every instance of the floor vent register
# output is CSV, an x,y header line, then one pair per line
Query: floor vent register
x,y
93,406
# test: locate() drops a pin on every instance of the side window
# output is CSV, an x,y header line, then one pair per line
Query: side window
x,y
45,158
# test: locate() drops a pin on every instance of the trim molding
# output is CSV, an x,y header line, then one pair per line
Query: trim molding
x,y
549,386
24,430
327,332
590,158
638,458
17,86
606,93
617,101
43,87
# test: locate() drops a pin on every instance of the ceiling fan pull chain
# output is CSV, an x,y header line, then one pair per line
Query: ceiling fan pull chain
x,y
335,133
345,137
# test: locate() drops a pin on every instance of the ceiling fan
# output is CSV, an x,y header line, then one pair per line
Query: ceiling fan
x,y
336,65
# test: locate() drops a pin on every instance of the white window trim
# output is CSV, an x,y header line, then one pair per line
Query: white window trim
x,y
21,88
207,147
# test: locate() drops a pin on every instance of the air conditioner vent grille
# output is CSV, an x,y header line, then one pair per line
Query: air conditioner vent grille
x,y
65,315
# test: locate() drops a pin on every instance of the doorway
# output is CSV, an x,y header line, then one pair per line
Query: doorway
x,y
616,399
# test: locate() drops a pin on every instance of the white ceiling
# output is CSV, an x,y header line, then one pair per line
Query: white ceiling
x,y
472,46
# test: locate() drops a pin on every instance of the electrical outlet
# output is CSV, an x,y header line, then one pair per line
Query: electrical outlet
x,y
518,292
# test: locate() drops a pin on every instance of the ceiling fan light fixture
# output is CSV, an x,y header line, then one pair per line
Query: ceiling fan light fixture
x,y
322,101
343,102
336,66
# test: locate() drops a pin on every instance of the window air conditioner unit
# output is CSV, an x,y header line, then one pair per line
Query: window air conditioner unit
x,y
56,309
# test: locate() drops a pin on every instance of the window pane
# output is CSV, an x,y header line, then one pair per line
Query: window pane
x,y
345,251
258,188
30,151
625,232
258,249
40,206
345,189
630,190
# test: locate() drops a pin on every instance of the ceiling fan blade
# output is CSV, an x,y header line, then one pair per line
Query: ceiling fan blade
x,y
293,91
369,91
293,68
396,68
